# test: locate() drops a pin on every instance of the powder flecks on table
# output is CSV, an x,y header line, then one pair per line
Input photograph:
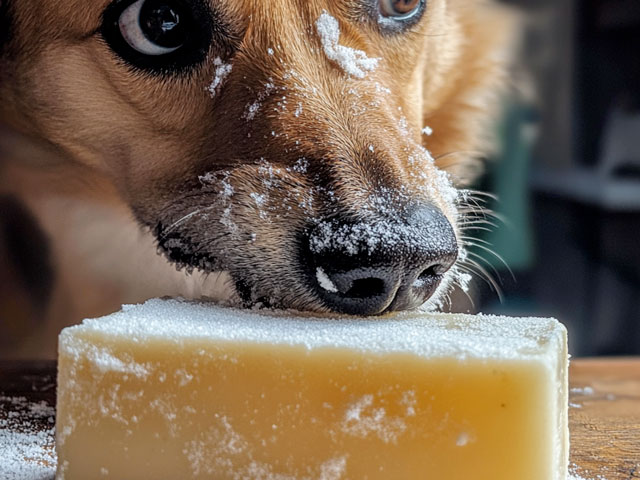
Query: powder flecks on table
x,y
26,448
354,62
574,475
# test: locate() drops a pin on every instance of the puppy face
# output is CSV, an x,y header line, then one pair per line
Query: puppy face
x,y
269,139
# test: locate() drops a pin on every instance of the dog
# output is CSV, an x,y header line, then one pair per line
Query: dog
x,y
298,155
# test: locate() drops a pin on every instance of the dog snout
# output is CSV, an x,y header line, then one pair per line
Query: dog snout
x,y
376,265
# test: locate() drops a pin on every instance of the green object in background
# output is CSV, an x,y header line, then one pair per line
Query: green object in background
x,y
508,178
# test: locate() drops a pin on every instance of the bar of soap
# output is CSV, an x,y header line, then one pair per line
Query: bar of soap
x,y
174,390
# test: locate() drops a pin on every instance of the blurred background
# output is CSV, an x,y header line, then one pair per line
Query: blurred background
x,y
568,176
566,173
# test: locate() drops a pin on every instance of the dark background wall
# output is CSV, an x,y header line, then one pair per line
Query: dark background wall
x,y
568,175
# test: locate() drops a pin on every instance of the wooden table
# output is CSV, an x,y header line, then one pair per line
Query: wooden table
x,y
605,422
604,411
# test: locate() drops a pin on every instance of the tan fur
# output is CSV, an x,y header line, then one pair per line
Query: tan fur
x,y
113,153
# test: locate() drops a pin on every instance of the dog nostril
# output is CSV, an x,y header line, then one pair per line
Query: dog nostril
x,y
429,272
368,267
366,288
429,275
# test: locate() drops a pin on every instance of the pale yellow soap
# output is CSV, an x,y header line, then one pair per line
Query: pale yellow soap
x,y
173,390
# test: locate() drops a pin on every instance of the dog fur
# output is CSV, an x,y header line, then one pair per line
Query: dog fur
x,y
113,161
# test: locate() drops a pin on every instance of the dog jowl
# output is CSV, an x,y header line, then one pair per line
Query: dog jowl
x,y
283,142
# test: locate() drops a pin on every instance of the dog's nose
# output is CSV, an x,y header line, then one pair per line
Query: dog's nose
x,y
375,266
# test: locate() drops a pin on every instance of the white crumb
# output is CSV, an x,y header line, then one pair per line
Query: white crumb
x,y
428,131
222,72
587,391
463,439
353,62
324,281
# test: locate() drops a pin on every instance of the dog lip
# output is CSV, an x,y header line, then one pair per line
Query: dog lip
x,y
414,294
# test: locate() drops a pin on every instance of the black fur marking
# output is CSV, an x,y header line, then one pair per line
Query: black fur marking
x,y
27,250
183,252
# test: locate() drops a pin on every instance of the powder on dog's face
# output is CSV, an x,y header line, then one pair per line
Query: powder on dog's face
x,y
222,72
293,114
354,62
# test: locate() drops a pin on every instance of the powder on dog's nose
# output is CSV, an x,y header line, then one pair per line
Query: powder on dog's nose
x,y
324,281
353,62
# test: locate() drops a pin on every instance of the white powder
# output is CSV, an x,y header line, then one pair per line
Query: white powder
x,y
362,419
26,448
324,281
428,131
252,108
331,236
573,474
463,439
333,469
353,62
104,360
586,391
409,401
435,335
221,73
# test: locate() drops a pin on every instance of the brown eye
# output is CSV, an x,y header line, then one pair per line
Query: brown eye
x,y
399,8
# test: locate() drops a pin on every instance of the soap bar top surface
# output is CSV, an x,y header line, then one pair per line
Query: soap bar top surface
x,y
428,335
171,389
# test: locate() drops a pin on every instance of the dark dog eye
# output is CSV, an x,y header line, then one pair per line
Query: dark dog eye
x,y
152,27
399,9
158,34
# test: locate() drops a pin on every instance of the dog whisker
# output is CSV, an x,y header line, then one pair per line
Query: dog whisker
x,y
474,228
481,259
464,290
478,221
473,193
480,271
183,219
491,252
475,153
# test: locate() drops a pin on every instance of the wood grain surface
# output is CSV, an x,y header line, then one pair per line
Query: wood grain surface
x,y
604,417
604,411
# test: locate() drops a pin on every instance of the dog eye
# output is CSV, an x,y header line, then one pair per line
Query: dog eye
x,y
159,35
399,9
152,27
